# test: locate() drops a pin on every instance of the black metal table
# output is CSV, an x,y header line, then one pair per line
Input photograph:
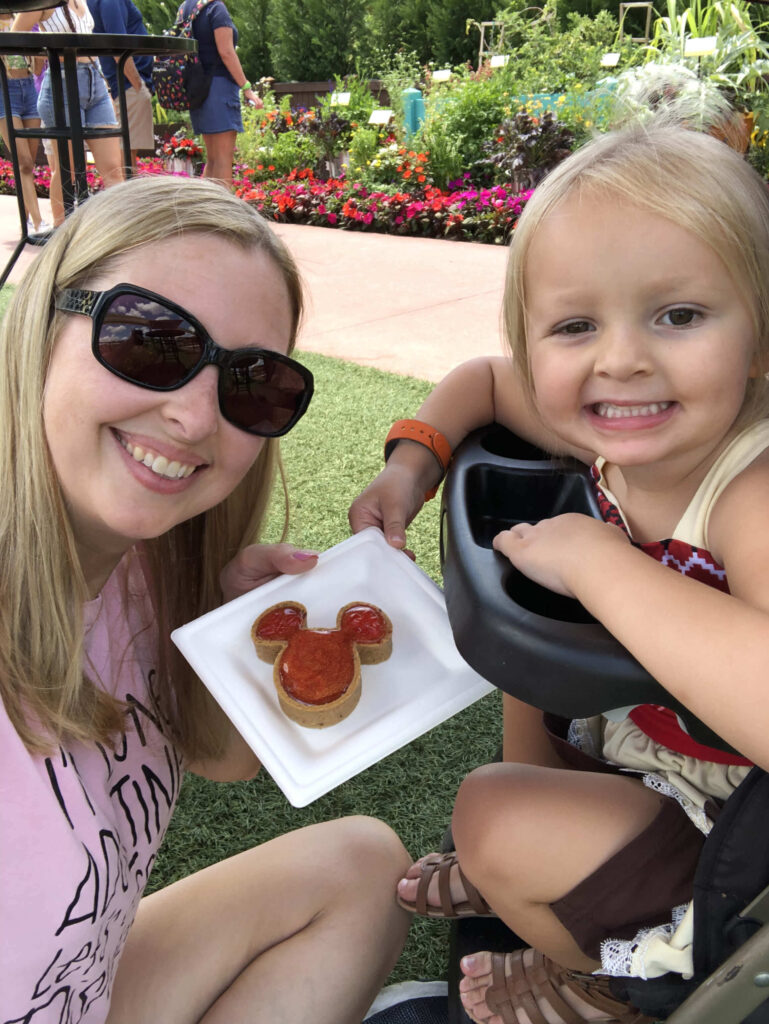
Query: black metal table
x,y
63,50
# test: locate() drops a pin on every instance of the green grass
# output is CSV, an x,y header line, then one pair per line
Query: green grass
x,y
330,456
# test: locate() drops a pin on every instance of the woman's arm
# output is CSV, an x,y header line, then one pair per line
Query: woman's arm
x,y
709,649
225,45
251,567
237,764
481,391
26,20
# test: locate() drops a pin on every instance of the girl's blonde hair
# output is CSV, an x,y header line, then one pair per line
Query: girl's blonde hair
x,y
689,178
42,589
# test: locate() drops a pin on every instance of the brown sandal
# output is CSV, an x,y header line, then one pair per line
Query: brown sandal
x,y
473,906
536,982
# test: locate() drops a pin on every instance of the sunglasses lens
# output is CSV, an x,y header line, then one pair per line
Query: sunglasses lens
x,y
262,394
147,343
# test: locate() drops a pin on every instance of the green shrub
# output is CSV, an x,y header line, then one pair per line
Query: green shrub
x,y
294,150
460,117
549,57
364,145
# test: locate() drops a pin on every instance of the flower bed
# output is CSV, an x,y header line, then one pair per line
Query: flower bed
x,y
467,214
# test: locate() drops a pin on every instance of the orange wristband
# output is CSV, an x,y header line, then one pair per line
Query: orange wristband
x,y
422,433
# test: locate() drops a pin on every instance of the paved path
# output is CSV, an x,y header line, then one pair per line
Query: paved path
x,y
416,306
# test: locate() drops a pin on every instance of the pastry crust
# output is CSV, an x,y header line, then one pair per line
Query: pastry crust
x,y
363,635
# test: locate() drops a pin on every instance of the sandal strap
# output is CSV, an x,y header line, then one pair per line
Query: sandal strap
x,y
527,987
474,898
442,864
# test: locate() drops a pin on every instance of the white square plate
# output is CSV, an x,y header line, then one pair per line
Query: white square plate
x,y
423,682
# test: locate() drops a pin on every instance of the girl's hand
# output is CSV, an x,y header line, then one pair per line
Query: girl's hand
x,y
259,563
389,502
555,551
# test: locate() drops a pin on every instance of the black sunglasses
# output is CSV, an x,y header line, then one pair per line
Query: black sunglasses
x,y
148,341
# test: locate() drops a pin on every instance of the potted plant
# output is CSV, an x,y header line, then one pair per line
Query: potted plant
x,y
181,154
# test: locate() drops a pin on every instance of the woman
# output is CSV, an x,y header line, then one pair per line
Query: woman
x,y
139,459
96,110
23,95
219,120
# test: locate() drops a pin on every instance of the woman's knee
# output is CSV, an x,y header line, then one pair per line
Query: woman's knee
x,y
369,844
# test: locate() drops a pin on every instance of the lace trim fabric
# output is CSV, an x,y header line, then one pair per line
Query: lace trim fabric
x,y
695,814
653,952
582,735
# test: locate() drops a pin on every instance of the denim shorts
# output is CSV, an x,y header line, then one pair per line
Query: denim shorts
x,y
220,111
23,98
96,110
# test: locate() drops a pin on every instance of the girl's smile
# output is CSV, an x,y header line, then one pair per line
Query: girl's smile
x,y
639,341
133,463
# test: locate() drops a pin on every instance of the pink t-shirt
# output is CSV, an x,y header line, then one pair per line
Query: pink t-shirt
x,y
80,828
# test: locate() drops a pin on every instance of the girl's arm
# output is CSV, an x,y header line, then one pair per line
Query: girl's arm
x,y
709,649
225,45
481,391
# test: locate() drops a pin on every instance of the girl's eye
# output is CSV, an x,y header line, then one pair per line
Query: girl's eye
x,y
681,317
573,327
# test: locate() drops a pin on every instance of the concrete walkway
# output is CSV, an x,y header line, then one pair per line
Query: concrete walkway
x,y
415,306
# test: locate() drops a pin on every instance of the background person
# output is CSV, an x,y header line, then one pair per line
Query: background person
x,y
23,94
96,110
126,511
122,17
219,119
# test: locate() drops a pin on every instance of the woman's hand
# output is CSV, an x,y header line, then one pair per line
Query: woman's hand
x,y
259,563
389,502
252,99
554,552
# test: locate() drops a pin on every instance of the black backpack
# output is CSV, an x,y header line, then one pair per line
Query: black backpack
x,y
179,80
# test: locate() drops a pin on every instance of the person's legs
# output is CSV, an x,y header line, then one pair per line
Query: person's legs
x,y
525,836
108,157
54,188
27,153
220,152
303,928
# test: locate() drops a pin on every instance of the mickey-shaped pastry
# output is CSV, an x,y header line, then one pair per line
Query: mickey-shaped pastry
x,y
317,671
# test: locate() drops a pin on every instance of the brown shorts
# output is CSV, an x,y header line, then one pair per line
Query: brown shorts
x,y
637,887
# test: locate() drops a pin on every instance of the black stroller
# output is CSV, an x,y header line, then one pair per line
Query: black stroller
x,y
547,650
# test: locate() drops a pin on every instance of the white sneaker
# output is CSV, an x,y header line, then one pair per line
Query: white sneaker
x,y
43,228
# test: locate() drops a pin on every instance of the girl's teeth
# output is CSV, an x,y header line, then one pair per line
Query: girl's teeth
x,y
159,463
613,412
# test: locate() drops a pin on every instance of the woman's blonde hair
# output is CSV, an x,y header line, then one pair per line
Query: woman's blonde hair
x,y
42,683
688,177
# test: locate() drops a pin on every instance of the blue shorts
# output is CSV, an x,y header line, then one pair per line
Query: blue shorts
x,y
23,99
96,110
221,110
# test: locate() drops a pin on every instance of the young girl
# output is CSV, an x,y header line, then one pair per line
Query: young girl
x,y
146,376
637,309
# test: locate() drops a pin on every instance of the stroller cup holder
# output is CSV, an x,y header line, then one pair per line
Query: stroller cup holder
x,y
538,646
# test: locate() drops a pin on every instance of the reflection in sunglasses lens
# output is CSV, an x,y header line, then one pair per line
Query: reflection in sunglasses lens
x,y
260,394
147,342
